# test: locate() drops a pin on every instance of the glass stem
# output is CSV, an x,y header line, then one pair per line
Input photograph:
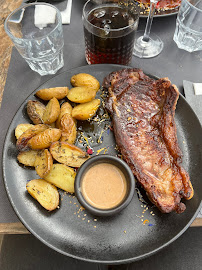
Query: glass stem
x,y
153,4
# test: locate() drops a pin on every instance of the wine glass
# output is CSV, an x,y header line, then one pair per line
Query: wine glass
x,y
148,44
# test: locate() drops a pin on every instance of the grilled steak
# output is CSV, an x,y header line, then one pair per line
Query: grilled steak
x,y
142,111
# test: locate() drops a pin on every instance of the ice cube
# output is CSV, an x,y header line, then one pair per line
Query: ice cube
x,y
125,15
108,21
114,13
107,29
100,13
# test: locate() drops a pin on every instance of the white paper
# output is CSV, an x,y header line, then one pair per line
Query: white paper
x,y
198,88
43,16
66,14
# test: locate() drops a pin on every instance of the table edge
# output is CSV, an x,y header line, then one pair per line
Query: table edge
x,y
19,228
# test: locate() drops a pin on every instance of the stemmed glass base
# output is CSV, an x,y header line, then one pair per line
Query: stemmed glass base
x,y
147,49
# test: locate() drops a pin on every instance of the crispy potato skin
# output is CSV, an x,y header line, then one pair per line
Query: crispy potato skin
x,y
65,108
27,158
62,177
68,127
35,111
22,128
52,111
49,93
86,110
68,154
22,142
84,79
44,139
44,192
43,162
81,94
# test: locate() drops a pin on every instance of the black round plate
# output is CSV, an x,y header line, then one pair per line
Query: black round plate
x,y
138,231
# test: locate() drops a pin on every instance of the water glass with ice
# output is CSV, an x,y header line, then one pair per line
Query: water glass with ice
x,y
188,32
36,31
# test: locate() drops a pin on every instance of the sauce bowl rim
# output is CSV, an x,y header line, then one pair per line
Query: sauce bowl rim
x,y
130,181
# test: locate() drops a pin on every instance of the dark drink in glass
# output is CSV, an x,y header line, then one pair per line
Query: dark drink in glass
x,y
109,31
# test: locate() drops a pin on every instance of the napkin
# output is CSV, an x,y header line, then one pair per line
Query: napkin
x,y
66,14
45,15
198,88
194,97
192,93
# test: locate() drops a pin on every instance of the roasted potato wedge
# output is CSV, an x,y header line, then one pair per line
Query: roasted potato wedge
x,y
22,128
86,110
44,139
44,192
81,94
35,111
43,163
68,154
49,93
62,176
52,111
28,134
84,79
65,108
27,157
68,127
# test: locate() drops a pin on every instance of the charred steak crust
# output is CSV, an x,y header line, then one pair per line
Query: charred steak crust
x,y
142,111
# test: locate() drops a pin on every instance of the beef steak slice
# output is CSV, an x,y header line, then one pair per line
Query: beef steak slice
x,y
142,111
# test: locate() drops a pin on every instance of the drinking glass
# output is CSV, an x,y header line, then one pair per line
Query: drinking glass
x,y
36,31
109,31
148,44
188,32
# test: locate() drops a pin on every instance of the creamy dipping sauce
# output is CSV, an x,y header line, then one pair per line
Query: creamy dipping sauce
x,y
104,186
